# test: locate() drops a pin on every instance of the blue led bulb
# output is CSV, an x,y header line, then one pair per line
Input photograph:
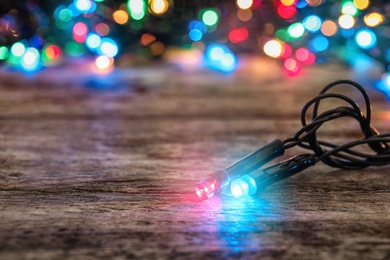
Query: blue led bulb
x,y
243,186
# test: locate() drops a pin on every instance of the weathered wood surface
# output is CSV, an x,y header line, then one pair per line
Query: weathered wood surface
x,y
109,173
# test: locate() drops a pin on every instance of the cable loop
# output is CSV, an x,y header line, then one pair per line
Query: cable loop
x,y
341,156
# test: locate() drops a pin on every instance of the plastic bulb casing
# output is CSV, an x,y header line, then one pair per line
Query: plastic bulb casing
x,y
243,186
215,183
250,184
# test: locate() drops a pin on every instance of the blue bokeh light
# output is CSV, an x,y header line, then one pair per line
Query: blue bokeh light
x,y
312,23
365,39
318,44
220,57
195,35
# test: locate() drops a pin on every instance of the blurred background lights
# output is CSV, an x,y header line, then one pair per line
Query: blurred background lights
x,y
158,6
296,30
30,59
195,35
244,14
244,4
18,49
349,8
84,6
120,17
4,53
319,44
292,67
80,31
220,57
210,17
93,41
329,28
365,38
361,4
314,2
137,9
312,23
147,39
286,12
346,21
373,19
287,2
102,29
238,35
65,15
103,62
273,48
108,47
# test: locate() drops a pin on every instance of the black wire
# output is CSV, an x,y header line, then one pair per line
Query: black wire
x,y
342,156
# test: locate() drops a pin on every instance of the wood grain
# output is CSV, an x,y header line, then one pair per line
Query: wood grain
x,y
107,171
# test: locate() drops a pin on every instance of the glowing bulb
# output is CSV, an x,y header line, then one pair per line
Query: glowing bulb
x,y
209,187
244,4
346,21
365,38
243,186
158,6
18,49
273,48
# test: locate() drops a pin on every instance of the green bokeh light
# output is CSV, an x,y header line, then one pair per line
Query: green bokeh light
x,y
210,17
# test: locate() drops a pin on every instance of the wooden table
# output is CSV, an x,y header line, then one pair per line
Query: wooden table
x,y
107,170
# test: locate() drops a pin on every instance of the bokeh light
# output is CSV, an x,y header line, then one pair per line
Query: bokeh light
x,y
238,35
244,14
349,8
244,4
318,44
361,4
4,53
210,17
158,7
108,47
137,9
329,28
195,35
346,21
273,48
365,38
373,19
220,57
103,62
296,30
18,49
312,23
80,31
120,17
292,67
93,41
30,60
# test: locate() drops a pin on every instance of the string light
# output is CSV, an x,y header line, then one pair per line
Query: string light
x,y
247,177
